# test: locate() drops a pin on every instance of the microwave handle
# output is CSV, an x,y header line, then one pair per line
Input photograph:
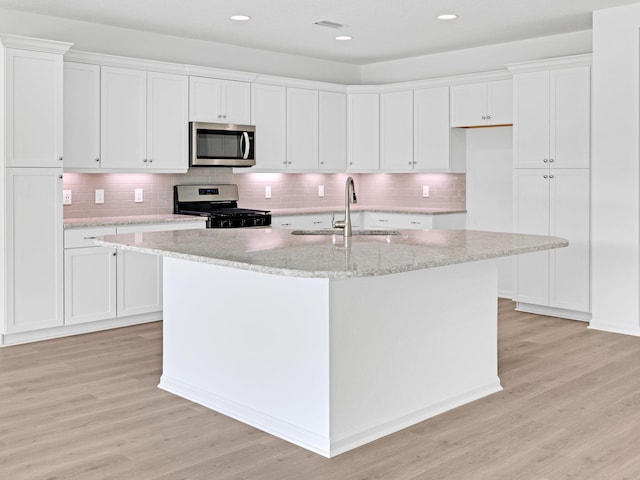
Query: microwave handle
x,y
247,145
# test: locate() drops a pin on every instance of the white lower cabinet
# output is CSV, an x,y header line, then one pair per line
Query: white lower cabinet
x,y
553,202
311,222
373,220
102,283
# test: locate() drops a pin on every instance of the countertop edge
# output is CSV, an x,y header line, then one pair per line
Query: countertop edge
x,y
93,222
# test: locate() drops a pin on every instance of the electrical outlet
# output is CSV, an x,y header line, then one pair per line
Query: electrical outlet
x,y
321,190
425,191
138,195
99,196
267,192
66,197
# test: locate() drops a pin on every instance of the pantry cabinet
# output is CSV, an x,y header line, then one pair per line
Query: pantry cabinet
x,y
363,132
552,118
143,120
553,202
219,101
302,129
482,104
33,109
269,115
33,249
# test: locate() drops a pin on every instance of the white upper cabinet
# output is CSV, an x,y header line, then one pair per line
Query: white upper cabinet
x,y
123,118
167,119
332,131
552,118
269,115
396,131
431,132
302,129
81,116
482,104
363,132
219,101
33,111
143,120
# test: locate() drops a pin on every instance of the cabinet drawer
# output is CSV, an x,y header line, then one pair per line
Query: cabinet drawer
x,y
83,237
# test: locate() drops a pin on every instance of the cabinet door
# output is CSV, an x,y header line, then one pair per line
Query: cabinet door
x,y
531,279
469,105
269,115
123,118
204,100
302,129
139,283
167,114
33,109
363,131
431,129
531,123
89,284
332,131
500,103
81,116
396,131
34,249
235,102
570,117
569,218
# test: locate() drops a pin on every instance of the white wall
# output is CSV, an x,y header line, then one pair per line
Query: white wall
x,y
615,205
479,59
92,37
490,189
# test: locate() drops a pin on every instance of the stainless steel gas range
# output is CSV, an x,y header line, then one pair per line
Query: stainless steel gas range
x,y
219,203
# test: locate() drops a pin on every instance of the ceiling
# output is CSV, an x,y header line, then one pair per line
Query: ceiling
x,y
381,29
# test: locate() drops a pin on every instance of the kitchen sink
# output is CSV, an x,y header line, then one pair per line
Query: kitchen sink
x,y
340,231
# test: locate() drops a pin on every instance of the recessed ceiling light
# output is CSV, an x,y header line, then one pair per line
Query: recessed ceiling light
x,y
344,37
447,16
240,18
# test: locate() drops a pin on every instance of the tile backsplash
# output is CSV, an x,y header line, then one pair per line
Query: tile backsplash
x,y
288,190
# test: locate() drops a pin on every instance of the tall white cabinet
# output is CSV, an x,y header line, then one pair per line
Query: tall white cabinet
x,y
552,184
31,207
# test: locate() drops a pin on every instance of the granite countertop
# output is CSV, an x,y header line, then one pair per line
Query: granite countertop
x,y
126,220
356,208
278,252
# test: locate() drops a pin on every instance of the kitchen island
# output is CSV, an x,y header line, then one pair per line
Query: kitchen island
x,y
327,344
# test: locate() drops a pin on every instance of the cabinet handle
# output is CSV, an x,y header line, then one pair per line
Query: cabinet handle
x,y
350,163
484,117
416,223
316,223
410,163
286,224
145,160
488,117
151,160
115,254
321,163
60,177
289,163
88,238
285,162
545,160
550,176
546,176
98,160
60,158
551,160
382,220
415,163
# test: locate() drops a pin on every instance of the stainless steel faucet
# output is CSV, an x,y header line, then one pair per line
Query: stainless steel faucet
x,y
349,198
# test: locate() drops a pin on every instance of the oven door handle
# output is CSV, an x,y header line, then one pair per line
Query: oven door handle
x,y
247,145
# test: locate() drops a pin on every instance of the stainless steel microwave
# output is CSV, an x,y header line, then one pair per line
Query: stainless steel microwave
x,y
221,145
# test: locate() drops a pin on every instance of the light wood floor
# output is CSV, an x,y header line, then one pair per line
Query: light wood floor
x,y
87,407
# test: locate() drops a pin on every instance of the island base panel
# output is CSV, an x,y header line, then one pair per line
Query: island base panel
x,y
330,364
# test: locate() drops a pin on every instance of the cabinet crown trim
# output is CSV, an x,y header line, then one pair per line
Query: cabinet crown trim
x,y
34,44
106,60
551,63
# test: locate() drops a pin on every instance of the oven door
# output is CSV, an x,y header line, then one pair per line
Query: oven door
x,y
221,145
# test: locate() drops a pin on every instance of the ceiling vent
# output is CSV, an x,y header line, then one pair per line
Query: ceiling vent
x,y
327,23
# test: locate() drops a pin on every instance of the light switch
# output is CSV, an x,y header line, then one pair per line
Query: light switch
x,y
321,190
425,191
99,196
267,192
138,195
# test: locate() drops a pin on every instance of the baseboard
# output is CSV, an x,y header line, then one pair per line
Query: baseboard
x,y
553,312
9,339
325,446
614,328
